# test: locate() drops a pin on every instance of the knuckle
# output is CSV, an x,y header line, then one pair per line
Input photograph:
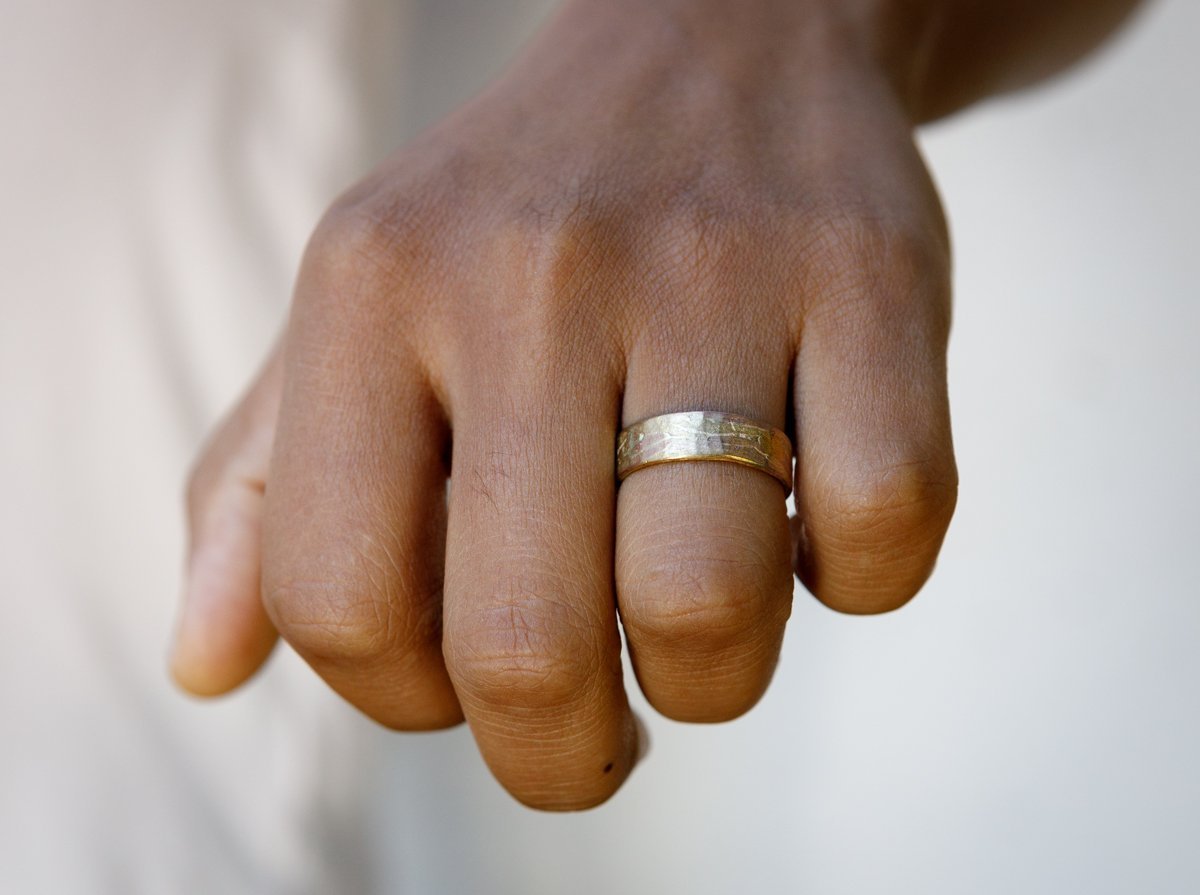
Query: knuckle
x,y
857,219
705,244
364,286
533,654
329,622
568,251
371,242
517,680
880,240
906,501
543,315
659,243
346,238
863,259
704,606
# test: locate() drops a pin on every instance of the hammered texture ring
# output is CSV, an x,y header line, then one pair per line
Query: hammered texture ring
x,y
705,435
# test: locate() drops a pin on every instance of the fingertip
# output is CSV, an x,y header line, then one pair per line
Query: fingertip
x,y
207,682
223,634
208,660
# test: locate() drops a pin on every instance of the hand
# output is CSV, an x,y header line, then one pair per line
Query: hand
x,y
659,208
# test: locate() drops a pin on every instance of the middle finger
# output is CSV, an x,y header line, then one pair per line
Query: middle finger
x,y
531,639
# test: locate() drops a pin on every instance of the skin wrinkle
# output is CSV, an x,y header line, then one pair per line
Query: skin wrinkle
x,y
544,703
520,592
679,533
366,502
520,552
544,734
422,623
682,624
859,274
724,634
356,626
521,396
510,641
720,669
336,623
528,500
647,566
905,491
883,525
375,598
615,270
691,601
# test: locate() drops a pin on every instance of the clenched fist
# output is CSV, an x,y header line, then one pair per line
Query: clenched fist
x,y
662,206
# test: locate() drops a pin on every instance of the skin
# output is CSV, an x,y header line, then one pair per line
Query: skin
x,y
680,204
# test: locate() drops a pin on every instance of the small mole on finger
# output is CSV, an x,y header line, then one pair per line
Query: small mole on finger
x,y
608,767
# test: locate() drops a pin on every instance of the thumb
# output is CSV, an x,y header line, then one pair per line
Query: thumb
x,y
223,634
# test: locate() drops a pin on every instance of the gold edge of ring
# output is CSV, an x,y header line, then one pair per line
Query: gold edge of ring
x,y
720,458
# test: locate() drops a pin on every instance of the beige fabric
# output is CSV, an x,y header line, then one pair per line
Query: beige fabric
x,y
1021,728
162,164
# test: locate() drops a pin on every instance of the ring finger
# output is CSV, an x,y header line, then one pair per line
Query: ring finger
x,y
703,572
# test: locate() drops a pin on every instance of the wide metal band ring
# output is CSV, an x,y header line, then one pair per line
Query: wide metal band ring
x,y
705,435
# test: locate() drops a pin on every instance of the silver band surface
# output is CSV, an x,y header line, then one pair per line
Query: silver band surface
x,y
705,435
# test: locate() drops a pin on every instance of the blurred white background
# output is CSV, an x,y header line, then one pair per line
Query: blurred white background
x,y
1029,724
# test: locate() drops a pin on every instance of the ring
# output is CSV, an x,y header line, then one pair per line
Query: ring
x,y
705,435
